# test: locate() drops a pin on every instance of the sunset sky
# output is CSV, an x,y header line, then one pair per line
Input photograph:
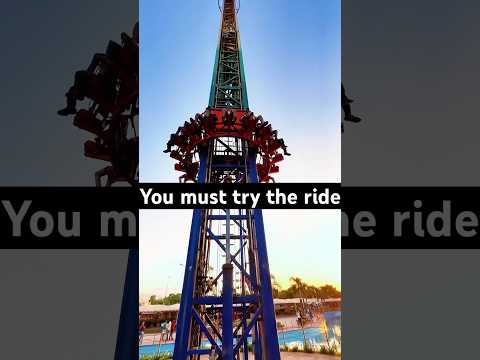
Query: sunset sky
x,y
304,243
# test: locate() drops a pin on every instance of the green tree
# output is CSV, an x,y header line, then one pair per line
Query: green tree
x,y
329,291
172,299
153,300
300,289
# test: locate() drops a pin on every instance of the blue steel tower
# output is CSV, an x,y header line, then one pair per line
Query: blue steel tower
x,y
227,298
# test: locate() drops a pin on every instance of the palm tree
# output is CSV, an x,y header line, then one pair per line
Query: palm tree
x,y
276,288
299,286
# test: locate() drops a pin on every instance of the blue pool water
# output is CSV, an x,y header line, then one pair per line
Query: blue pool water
x,y
311,334
284,337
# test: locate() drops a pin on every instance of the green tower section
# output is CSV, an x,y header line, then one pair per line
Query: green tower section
x,y
229,88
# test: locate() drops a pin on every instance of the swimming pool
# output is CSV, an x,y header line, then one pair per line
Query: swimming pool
x,y
288,338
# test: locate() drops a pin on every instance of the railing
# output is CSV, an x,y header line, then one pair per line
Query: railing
x,y
157,339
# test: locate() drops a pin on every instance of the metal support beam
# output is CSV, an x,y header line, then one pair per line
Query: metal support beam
x,y
227,312
184,320
268,323
127,338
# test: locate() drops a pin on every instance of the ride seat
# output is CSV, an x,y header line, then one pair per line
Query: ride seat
x,y
87,121
92,150
277,158
274,169
176,155
180,167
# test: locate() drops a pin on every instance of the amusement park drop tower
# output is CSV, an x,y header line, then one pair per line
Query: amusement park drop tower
x,y
232,305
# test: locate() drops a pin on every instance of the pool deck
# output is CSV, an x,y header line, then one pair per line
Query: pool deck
x,y
290,323
299,356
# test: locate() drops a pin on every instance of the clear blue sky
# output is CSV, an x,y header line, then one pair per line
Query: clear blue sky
x,y
292,56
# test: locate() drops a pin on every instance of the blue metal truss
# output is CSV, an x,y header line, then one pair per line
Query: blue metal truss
x,y
228,313
127,335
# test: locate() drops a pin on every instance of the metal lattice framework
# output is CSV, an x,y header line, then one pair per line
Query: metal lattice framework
x,y
228,85
227,294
